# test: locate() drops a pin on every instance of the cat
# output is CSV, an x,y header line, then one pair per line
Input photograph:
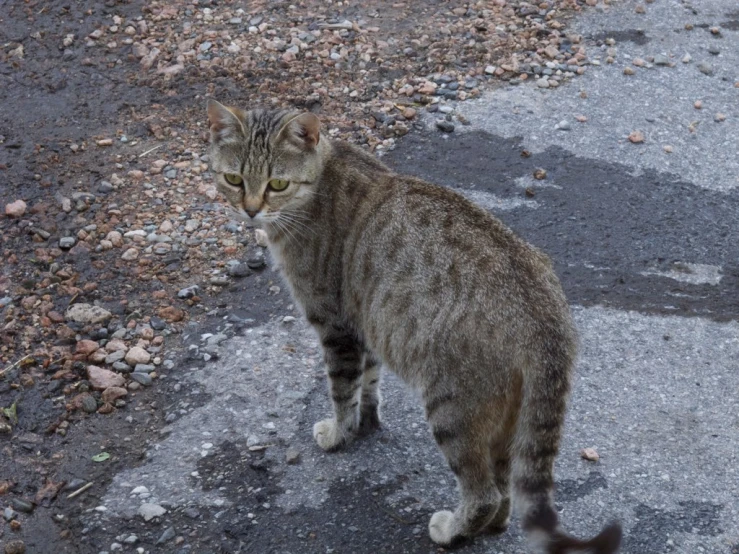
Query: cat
x,y
391,270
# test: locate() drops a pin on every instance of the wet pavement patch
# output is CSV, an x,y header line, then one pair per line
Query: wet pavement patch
x,y
637,36
605,226
655,529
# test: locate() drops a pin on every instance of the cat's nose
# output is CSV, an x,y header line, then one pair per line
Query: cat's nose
x,y
252,213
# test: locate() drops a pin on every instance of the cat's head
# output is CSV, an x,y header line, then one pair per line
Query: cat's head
x,y
265,163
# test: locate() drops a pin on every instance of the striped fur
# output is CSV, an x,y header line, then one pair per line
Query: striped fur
x,y
392,270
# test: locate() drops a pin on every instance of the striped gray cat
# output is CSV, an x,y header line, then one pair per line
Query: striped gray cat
x,y
391,270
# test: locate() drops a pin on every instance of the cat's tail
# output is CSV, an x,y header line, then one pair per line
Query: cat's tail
x,y
545,389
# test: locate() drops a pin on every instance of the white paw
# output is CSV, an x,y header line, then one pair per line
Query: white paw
x,y
440,527
327,434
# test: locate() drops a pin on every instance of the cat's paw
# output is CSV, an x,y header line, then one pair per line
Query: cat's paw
x,y
440,527
502,519
329,435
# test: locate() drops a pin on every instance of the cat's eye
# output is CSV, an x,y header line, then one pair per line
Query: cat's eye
x,y
233,179
278,184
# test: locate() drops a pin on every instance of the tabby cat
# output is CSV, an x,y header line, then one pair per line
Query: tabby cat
x,y
392,270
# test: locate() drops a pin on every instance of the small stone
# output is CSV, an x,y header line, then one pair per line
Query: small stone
x,y
540,174
640,9
698,104
629,70
581,118
256,260
292,456
687,58
638,62
188,292
130,254
115,238
167,536
158,324
65,243
15,547
445,126
719,117
715,50
87,313
101,379
192,513
667,148
590,454
288,319
490,70
705,68
239,270
112,394
105,142
21,505
137,355
409,113
220,281
15,209
150,511
191,225
661,59
142,378
542,83
715,30
141,489
86,347
563,125
637,137
260,235
144,368
89,404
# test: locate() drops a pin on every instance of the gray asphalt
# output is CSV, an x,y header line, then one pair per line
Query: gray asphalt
x,y
647,246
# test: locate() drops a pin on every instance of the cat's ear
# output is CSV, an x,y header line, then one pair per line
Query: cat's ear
x,y
303,130
225,123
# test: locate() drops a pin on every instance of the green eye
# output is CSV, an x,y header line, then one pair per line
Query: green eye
x,y
233,179
278,184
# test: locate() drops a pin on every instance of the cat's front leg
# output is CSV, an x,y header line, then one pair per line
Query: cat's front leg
x,y
343,363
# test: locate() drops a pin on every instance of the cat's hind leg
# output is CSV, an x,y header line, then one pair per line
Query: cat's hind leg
x,y
466,446
369,406
343,363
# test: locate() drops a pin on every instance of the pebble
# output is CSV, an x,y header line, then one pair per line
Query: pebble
x,y
121,367
563,125
661,59
142,378
15,209
628,71
21,505
445,126
65,243
144,368
542,83
667,148
256,260
220,281
687,58
715,50
114,393
157,323
719,117
590,454
101,379
9,514
260,235
167,536
130,254
131,539
192,513
15,547
188,292
191,225
292,456
150,511
239,270
636,137
698,104
89,404
540,174
705,68
137,355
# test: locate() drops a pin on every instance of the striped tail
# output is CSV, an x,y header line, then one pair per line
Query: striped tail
x,y
535,447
